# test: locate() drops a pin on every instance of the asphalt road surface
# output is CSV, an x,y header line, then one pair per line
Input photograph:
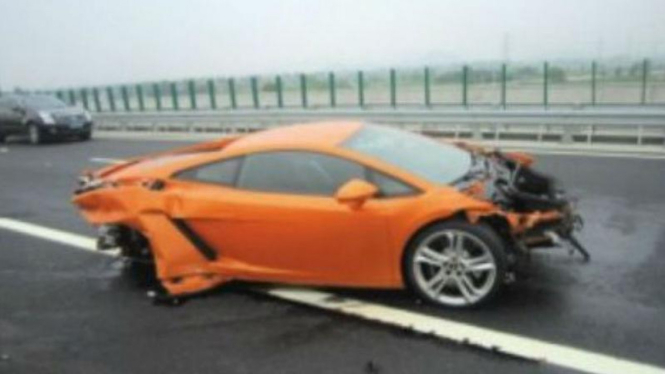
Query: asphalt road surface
x,y
67,311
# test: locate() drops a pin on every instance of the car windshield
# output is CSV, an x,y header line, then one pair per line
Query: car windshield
x,y
43,102
427,158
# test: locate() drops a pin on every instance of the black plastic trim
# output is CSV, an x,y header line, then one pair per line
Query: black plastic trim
x,y
206,250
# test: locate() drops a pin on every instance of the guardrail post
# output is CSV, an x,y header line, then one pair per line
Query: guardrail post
x,y
232,93
139,94
95,98
125,98
504,83
111,98
594,68
545,83
428,97
567,135
212,93
72,97
174,96
303,90
465,86
255,92
331,86
191,87
278,88
645,74
393,88
361,89
157,93
84,97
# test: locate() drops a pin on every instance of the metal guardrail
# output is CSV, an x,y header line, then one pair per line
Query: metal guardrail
x,y
641,127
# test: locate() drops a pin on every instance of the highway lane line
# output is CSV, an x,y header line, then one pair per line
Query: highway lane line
x,y
59,236
494,340
105,160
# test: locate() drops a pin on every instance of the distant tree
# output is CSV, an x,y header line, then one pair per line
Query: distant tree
x,y
269,86
525,72
618,72
557,75
635,70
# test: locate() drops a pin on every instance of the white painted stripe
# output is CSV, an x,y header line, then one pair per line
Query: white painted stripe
x,y
104,160
62,237
529,348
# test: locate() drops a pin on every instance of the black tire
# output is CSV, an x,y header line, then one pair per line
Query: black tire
x,y
35,134
478,238
85,136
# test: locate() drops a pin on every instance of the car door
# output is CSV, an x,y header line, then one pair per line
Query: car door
x,y
289,220
284,223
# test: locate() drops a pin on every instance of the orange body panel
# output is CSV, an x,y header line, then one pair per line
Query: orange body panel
x,y
301,239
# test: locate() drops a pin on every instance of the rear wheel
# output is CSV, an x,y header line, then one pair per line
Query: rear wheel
x,y
85,136
35,134
456,264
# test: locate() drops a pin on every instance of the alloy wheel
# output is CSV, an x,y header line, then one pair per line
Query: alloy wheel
x,y
454,267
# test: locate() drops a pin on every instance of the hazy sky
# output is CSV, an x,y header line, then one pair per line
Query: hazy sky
x,y
53,43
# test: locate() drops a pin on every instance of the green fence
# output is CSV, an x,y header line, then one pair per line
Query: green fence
x,y
498,85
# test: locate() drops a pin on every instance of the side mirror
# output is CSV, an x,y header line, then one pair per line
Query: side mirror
x,y
355,193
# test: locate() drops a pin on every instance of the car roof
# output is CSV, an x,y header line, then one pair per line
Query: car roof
x,y
315,135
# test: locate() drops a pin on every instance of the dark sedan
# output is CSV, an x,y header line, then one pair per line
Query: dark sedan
x,y
41,118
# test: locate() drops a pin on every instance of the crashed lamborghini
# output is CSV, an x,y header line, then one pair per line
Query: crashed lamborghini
x,y
341,204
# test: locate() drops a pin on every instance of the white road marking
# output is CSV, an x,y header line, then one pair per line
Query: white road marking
x,y
104,160
529,348
62,237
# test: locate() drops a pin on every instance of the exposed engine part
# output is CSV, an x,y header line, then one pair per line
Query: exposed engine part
x,y
579,247
525,192
569,242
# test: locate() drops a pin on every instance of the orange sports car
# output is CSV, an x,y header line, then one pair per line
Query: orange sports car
x,y
337,204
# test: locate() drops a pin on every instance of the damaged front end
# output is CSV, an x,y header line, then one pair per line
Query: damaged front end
x,y
532,210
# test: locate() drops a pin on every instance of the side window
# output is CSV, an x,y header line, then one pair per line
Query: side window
x,y
222,172
297,172
389,186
